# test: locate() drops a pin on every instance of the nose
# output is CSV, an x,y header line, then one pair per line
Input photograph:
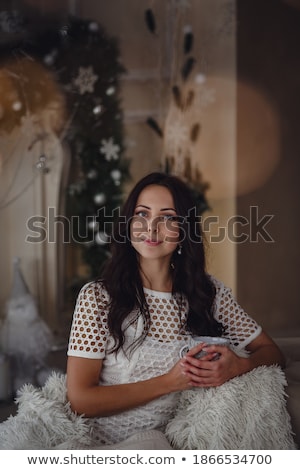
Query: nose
x,y
152,225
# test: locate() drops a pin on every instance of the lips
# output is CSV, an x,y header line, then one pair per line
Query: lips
x,y
152,242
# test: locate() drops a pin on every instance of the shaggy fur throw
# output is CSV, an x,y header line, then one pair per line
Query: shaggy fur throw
x,y
45,420
248,412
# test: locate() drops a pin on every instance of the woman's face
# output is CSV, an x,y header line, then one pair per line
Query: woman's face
x,y
154,229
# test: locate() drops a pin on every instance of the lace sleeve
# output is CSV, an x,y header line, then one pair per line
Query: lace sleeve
x,y
89,331
241,329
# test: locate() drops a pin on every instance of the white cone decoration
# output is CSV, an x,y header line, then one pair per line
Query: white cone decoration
x,y
26,338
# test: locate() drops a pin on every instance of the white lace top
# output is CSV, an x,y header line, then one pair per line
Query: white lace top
x,y
90,338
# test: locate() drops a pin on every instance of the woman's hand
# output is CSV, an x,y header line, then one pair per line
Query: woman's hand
x,y
178,378
222,364
218,366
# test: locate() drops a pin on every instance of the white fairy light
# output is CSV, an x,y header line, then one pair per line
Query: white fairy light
x,y
101,238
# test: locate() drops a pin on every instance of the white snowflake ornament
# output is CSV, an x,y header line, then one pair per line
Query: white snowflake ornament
x,y
85,80
109,149
206,96
177,134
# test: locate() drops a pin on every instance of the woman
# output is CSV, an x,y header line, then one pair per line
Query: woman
x,y
124,367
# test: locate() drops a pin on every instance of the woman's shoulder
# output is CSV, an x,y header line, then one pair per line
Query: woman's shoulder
x,y
222,290
219,285
95,288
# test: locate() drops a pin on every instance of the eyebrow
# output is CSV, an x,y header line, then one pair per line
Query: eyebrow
x,y
163,209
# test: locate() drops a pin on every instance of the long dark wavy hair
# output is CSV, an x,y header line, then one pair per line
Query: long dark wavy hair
x,y
121,274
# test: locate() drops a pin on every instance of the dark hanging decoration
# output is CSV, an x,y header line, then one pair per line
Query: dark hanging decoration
x,y
177,96
187,68
150,20
188,41
195,131
153,124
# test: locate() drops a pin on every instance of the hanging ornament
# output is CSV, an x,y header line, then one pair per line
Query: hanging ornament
x,y
92,174
41,164
85,80
116,176
109,149
110,91
97,109
101,238
100,199
93,224
64,30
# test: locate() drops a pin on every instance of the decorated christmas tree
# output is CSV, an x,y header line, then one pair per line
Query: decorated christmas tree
x,y
84,64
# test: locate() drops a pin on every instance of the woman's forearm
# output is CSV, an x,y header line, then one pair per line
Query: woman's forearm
x,y
87,397
264,355
102,400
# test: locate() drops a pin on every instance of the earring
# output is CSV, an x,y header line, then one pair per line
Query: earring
x,y
179,251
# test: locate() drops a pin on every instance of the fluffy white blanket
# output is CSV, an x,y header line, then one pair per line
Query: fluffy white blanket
x,y
248,412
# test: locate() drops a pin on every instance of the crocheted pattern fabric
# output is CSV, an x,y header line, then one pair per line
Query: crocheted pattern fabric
x,y
90,338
